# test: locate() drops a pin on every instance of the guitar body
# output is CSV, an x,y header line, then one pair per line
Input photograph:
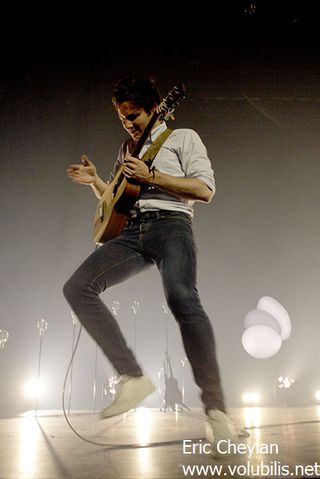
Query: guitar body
x,y
172,395
114,208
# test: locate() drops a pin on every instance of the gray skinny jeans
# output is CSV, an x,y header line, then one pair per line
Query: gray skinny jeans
x,y
164,238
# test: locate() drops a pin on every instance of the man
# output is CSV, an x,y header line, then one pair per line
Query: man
x,y
158,232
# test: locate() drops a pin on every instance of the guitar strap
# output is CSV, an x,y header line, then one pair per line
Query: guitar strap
x,y
153,149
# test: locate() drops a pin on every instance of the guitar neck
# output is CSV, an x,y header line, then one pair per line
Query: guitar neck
x,y
169,366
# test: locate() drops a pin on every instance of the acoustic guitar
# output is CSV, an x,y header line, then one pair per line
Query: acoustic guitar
x,y
172,395
121,194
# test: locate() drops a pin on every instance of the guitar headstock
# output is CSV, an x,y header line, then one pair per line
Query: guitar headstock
x,y
169,103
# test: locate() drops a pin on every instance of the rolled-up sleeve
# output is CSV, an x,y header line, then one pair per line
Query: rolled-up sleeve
x,y
194,159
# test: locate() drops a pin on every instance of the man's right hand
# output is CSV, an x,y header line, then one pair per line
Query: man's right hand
x,y
83,174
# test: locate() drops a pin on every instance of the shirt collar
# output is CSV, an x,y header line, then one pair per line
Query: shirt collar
x,y
156,132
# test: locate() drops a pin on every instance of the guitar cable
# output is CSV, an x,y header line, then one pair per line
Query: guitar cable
x,y
63,396
105,444
244,431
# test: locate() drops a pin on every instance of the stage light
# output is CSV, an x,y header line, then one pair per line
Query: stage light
x,y
42,325
317,395
115,307
250,9
266,327
261,341
286,391
257,316
135,307
4,336
251,398
33,389
279,313
285,382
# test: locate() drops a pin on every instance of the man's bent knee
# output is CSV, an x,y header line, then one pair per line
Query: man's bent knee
x,y
71,290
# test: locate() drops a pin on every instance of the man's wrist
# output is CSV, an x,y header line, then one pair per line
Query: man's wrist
x,y
94,181
98,183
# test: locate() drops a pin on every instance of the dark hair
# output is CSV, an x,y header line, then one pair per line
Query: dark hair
x,y
142,91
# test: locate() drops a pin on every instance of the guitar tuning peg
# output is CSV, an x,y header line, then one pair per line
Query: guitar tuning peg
x,y
169,116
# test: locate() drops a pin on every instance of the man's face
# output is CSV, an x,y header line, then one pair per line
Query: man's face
x,y
134,118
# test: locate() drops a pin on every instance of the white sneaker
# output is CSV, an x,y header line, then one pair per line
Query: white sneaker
x,y
221,433
132,390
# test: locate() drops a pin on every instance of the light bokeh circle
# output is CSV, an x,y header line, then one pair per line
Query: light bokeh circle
x,y
257,316
261,341
273,307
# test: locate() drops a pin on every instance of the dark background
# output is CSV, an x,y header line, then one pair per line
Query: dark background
x,y
253,94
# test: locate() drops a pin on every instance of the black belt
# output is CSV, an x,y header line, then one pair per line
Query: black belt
x,y
150,215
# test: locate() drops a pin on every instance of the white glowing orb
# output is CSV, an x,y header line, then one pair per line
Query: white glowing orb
x,y
257,316
261,341
280,314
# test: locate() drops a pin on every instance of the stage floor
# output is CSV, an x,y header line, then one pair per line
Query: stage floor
x,y
282,442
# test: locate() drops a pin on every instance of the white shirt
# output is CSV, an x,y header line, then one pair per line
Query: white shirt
x,y
184,155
